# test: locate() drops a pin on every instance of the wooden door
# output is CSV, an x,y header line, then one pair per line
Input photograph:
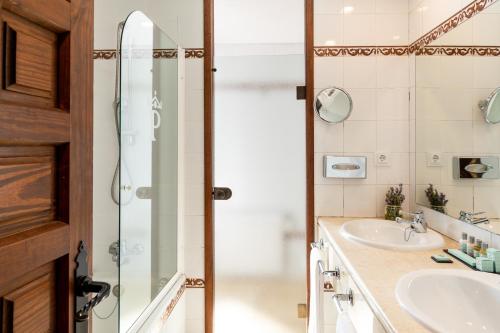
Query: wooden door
x,y
45,159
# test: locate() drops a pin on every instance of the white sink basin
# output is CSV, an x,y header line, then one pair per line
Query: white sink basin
x,y
389,235
449,300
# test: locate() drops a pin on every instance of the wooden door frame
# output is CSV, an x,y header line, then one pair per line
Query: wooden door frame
x,y
81,94
208,38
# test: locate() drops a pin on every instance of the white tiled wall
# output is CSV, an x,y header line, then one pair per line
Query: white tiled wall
x,y
361,22
194,197
379,87
427,14
181,20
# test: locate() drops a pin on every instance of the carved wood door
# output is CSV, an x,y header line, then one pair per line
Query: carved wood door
x,y
45,159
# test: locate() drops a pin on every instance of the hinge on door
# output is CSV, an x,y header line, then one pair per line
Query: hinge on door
x,y
301,92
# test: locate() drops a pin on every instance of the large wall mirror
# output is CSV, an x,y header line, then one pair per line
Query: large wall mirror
x,y
457,135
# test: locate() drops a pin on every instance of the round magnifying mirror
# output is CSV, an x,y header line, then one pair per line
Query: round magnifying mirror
x,y
333,105
491,107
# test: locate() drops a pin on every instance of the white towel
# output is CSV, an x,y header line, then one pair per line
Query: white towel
x,y
344,323
316,293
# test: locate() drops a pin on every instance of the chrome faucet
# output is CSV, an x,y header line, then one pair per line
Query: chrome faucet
x,y
418,224
469,218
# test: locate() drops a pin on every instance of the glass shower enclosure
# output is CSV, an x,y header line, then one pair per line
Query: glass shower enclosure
x,y
147,176
259,152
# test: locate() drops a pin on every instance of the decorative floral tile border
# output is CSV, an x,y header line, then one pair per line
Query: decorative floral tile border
x,y
420,46
353,51
464,14
483,51
171,306
189,283
104,54
193,53
195,283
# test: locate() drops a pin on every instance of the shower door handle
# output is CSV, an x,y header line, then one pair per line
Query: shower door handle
x,y
222,193
86,286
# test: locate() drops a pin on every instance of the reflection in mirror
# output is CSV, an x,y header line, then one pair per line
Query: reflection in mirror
x,y
491,107
333,105
457,151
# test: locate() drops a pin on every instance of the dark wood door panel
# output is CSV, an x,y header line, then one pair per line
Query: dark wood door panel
x,y
21,124
53,15
30,61
31,307
23,251
27,186
30,303
45,159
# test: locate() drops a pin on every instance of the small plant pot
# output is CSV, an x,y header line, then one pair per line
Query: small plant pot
x,y
391,212
441,209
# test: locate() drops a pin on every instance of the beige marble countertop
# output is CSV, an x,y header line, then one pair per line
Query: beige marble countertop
x,y
493,226
377,271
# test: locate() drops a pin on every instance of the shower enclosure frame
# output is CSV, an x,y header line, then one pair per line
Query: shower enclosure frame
x,y
208,70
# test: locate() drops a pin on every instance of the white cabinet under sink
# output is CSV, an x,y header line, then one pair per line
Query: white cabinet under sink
x,y
361,315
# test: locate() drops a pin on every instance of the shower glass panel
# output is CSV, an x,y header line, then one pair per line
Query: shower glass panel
x,y
148,165
259,152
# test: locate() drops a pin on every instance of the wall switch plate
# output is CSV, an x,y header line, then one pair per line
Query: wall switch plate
x,y
383,159
434,160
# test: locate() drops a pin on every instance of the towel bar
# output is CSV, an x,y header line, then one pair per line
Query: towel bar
x,y
318,245
332,274
349,297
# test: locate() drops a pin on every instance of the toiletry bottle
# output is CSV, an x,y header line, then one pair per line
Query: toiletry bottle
x,y
477,248
463,243
470,246
484,249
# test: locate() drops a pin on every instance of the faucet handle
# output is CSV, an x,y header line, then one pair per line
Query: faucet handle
x,y
416,215
468,215
462,212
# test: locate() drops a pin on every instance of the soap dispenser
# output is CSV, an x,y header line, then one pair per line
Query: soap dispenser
x,y
470,246
463,243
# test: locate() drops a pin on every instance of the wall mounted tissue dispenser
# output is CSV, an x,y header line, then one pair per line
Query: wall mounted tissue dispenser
x,y
484,167
345,167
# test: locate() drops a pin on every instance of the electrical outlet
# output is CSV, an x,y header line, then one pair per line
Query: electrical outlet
x,y
383,159
434,160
